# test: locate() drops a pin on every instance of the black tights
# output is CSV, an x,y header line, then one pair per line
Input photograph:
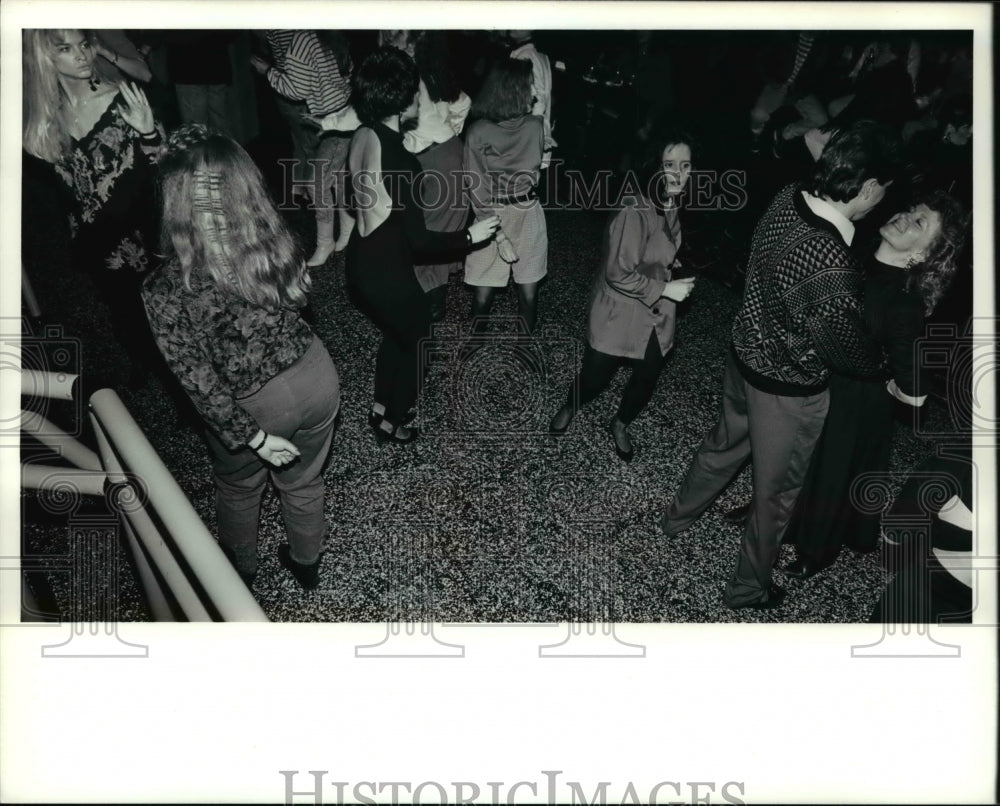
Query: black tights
x,y
527,303
599,368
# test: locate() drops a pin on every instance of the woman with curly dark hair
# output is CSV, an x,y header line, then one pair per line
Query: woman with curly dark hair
x,y
390,231
905,280
225,309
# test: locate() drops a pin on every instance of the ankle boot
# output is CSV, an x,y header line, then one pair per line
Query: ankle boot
x,y
306,575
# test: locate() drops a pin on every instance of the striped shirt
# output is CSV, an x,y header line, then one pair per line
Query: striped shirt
x,y
311,74
279,41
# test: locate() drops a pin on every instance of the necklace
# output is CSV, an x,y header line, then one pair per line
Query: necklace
x,y
78,106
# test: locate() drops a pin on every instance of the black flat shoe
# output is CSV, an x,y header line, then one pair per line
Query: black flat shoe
x,y
401,435
739,514
804,567
775,596
306,575
626,455
375,419
561,420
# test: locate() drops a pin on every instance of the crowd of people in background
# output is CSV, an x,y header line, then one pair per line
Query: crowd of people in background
x,y
141,135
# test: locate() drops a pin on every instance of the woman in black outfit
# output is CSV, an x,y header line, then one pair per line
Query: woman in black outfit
x,y
390,229
905,279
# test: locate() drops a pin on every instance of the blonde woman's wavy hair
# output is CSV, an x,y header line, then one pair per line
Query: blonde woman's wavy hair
x,y
218,222
45,132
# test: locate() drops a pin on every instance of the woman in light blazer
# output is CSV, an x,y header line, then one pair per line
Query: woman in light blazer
x,y
634,298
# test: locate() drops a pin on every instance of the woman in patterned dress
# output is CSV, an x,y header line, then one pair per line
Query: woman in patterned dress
x,y
103,142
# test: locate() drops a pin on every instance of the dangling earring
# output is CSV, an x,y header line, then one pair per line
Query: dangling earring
x,y
93,83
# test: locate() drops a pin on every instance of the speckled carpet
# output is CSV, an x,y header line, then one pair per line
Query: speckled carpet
x,y
486,516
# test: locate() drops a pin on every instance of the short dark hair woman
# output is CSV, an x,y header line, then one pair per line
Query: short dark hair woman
x,y
390,231
225,312
906,278
442,108
634,298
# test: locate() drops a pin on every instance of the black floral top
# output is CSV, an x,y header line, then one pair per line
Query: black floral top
x,y
109,172
220,347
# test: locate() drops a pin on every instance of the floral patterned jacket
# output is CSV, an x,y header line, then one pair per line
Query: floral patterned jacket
x,y
110,174
220,346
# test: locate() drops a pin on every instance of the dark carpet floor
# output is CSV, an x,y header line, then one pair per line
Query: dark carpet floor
x,y
486,517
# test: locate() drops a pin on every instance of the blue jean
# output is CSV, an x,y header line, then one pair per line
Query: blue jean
x,y
299,404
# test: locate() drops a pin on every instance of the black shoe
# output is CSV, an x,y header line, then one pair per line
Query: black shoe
x,y
775,596
375,419
561,420
627,453
804,567
306,575
399,434
738,515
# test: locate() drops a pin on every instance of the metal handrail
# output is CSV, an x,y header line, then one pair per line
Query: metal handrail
x,y
196,544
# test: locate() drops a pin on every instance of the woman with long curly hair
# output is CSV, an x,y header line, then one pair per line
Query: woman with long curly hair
x,y
225,309
102,140
906,278
390,231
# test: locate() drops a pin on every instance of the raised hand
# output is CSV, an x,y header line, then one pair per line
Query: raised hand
x,y
136,111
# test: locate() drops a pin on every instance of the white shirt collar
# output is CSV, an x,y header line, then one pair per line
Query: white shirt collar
x,y
828,212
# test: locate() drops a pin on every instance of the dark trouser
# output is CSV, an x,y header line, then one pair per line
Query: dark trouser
x,y
403,323
598,369
300,404
781,433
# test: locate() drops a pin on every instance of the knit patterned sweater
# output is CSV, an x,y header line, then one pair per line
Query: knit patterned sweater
x,y
801,313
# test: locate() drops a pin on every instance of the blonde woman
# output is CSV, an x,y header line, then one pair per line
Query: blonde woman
x,y
102,140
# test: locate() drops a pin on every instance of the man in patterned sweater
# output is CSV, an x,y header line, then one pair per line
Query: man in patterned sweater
x,y
800,319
